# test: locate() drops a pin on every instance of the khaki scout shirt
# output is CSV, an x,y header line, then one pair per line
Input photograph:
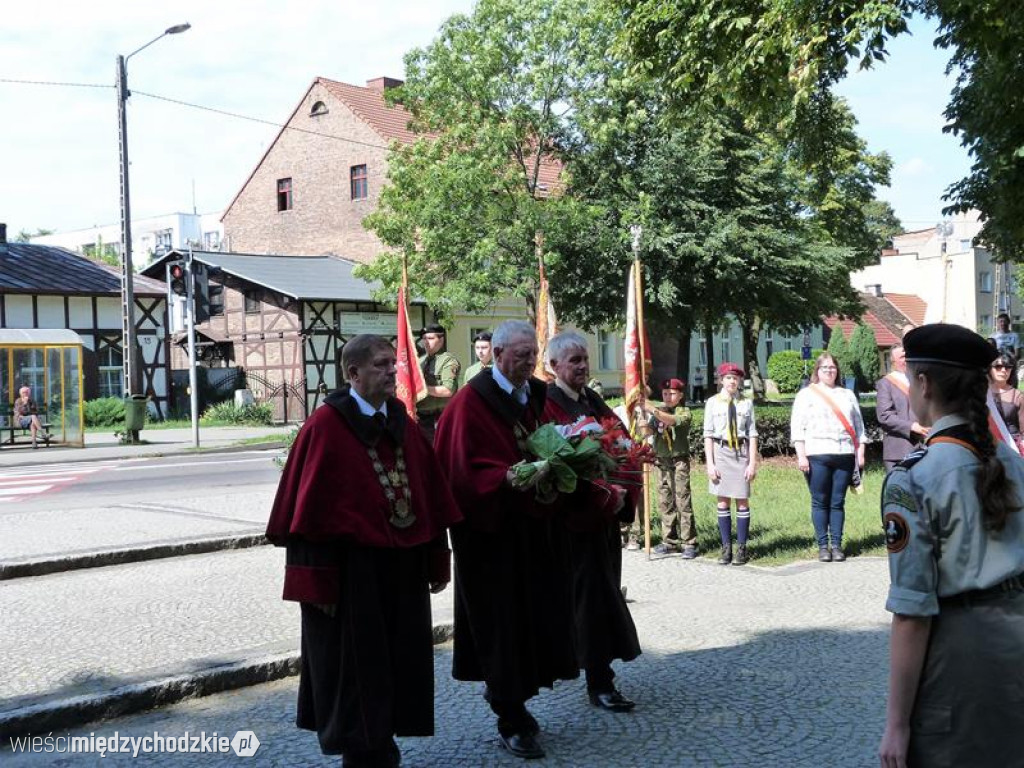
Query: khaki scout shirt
x,y
934,530
473,370
673,441
440,370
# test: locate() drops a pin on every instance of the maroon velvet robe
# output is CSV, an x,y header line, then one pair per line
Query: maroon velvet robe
x,y
604,627
513,600
367,671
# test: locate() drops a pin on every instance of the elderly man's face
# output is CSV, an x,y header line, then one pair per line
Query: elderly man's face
x,y
433,342
899,360
517,359
573,368
374,380
483,351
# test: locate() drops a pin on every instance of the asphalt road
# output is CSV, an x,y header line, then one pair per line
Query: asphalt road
x,y
74,485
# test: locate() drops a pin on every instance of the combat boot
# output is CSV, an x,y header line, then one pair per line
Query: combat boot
x,y
741,555
726,557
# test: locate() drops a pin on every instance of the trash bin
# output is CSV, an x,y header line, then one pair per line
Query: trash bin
x,y
134,413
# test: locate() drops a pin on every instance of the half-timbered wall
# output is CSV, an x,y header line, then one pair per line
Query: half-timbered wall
x,y
97,319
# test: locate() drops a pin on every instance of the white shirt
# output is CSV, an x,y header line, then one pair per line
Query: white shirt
x,y
365,408
521,394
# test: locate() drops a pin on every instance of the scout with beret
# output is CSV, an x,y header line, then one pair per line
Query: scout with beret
x,y
441,375
951,512
730,445
670,423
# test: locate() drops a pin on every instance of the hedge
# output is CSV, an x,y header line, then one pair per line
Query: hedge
x,y
773,430
104,412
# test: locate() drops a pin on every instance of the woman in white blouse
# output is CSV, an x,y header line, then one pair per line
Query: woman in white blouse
x,y
828,433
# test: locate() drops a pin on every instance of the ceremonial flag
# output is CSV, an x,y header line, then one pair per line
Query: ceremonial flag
x,y
637,348
547,326
410,386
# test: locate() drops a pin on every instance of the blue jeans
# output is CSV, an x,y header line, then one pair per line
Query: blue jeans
x,y
828,481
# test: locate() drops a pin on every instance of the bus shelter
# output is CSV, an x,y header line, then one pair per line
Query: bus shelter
x,y
49,362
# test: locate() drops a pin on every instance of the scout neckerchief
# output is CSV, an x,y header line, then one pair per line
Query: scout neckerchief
x,y
733,430
899,383
395,483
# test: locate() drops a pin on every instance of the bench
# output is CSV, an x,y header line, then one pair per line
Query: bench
x,y
13,431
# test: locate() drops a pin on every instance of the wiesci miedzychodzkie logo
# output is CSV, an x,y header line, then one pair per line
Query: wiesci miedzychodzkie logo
x,y
245,743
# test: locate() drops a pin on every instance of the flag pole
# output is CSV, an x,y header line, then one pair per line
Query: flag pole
x,y
636,230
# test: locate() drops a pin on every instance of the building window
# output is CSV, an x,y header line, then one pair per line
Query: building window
x,y
216,299
318,109
252,302
702,351
787,343
769,344
725,351
211,240
111,372
605,351
984,324
965,245
357,182
284,194
985,282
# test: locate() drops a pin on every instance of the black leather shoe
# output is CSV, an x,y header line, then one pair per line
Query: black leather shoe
x,y
530,725
689,552
522,745
612,700
838,556
824,555
665,549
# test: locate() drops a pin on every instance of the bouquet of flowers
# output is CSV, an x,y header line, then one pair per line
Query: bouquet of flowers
x,y
585,450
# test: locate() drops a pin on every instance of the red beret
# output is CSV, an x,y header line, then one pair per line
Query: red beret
x,y
677,384
726,368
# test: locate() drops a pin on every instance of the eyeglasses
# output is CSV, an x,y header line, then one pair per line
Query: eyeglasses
x,y
827,368
1001,367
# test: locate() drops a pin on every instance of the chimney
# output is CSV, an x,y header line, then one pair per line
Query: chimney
x,y
381,84
3,238
875,290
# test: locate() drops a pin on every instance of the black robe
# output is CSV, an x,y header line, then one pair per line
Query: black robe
x,y
513,599
604,627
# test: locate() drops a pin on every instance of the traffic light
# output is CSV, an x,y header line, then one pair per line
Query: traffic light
x,y
176,278
207,294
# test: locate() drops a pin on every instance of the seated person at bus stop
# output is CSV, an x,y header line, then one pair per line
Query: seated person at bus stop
x,y
25,414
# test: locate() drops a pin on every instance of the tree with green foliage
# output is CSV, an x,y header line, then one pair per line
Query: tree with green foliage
x,y
494,97
786,368
839,349
24,236
777,62
863,351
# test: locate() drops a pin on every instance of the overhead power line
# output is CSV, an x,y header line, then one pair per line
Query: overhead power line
x,y
15,81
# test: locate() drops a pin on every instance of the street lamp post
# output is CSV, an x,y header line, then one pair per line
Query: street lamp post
x,y
132,380
944,229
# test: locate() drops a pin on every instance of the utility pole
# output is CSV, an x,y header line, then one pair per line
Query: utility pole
x,y
190,310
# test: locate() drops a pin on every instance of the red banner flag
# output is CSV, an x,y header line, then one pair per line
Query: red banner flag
x,y
410,386
547,326
637,348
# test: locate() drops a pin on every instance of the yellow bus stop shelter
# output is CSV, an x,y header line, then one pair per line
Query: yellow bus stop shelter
x,y
49,362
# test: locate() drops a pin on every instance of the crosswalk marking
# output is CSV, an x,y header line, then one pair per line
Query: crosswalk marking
x,y
19,484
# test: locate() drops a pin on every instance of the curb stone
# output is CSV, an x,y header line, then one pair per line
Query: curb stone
x,y
63,714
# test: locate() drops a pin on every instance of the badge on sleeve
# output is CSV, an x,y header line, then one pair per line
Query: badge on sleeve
x,y
897,533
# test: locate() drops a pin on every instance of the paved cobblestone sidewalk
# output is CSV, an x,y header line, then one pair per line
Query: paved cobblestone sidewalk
x,y
741,667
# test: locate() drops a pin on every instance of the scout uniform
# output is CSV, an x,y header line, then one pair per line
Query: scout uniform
x,y
945,563
672,448
473,370
440,370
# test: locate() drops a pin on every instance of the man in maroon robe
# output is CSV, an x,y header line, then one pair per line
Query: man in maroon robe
x,y
513,601
363,508
604,627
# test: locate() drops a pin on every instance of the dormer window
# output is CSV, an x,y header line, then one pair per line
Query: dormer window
x,y
319,108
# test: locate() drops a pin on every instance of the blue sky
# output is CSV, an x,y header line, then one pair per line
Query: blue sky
x,y
255,57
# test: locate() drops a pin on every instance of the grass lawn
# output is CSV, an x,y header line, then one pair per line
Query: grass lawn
x,y
780,514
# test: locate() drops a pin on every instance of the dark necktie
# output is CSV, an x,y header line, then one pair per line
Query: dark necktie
x,y
734,437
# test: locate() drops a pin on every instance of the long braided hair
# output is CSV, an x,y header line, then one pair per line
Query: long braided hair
x,y
964,391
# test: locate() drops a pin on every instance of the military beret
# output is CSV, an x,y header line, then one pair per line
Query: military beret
x,y
948,344
726,368
433,328
677,384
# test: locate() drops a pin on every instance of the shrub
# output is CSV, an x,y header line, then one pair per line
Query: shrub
x,y
254,414
786,369
840,352
864,356
104,412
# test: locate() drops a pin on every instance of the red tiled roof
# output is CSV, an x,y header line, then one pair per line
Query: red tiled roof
x,y
883,336
391,123
911,306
